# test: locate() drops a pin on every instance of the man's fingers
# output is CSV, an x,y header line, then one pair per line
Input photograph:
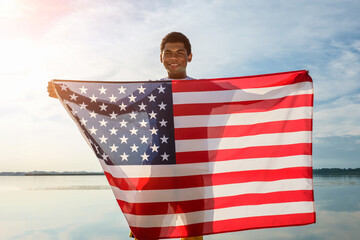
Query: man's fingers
x,y
51,89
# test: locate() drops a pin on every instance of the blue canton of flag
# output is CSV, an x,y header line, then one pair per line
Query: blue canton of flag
x,y
127,125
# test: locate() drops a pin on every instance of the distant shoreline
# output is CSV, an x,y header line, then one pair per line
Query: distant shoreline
x,y
336,172
51,173
63,174
316,172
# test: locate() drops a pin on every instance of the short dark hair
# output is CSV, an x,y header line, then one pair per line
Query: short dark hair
x,y
176,37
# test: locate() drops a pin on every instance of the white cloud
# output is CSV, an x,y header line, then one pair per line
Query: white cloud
x,y
338,122
338,118
339,76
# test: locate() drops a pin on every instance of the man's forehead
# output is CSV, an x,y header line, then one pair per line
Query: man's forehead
x,y
174,46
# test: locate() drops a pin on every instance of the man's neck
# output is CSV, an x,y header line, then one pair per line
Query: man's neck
x,y
177,76
186,78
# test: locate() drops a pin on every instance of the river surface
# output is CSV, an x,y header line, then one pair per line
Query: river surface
x,y
83,207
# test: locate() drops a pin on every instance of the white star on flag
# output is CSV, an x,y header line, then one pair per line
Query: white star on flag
x,y
161,89
93,114
142,106
132,115
152,98
63,87
143,123
164,139
123,123
162,106
112,98
113,115
152,115
132,98
134,148
123,139
114,148
83,89
121,90
124,157
165,157
134,131
93,98
73,97
103,123
154,148
102,90
141,89
113,131
103,139
163,123
83,121
103,107
153,130
83,106
93,130
122,107
144,139
145,157
104,156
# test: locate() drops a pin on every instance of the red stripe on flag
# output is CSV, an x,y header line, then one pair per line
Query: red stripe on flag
x,y
157,208
158,183
243,130
215,203
304,100
229,225
244,153
259,81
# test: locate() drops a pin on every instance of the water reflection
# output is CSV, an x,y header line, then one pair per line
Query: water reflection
x,y
83,207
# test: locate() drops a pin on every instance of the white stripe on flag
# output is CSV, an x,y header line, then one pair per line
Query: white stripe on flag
x,y
176,170
169,220
270,139
172,195
242,118
242,94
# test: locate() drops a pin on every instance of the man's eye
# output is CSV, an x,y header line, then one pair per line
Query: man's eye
x,y
175,54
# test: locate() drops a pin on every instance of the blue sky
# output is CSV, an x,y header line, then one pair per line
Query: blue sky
x,y
119,40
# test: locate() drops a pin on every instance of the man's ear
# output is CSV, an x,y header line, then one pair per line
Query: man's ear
x,y
189,57
161,58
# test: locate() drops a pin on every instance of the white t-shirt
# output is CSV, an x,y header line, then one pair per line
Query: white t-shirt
x,y
166,79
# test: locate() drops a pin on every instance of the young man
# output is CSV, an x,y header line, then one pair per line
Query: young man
x,y
175,55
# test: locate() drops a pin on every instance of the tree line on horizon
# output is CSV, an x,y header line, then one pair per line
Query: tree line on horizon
x,y
318,171
336,171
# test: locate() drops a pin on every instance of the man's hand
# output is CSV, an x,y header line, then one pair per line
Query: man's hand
x,y
51,89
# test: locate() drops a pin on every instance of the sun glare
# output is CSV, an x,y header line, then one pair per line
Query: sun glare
x,y
9,8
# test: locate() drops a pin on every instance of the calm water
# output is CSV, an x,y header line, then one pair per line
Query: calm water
x,y
83,207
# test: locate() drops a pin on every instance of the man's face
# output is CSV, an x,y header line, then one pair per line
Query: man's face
x,y
175,58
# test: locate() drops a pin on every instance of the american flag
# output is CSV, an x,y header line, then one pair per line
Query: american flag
x,y
196,157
